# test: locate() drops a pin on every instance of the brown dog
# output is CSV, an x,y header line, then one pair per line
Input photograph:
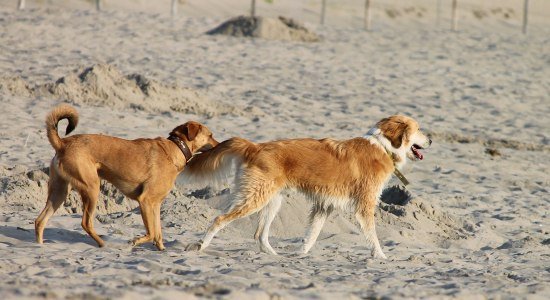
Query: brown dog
x,y
332,174
142,169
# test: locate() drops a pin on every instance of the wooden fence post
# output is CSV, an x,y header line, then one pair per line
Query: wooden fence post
x,y
455,15
367,15
323,8
21,4
438,17
253,8
525,15
174,8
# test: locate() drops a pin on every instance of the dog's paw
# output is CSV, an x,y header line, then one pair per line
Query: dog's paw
x,y
267,249
160,247
378,254
193,247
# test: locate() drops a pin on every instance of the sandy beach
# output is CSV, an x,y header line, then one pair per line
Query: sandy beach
x,y
477,226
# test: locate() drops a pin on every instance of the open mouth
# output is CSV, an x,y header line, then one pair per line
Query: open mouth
x,y
417,153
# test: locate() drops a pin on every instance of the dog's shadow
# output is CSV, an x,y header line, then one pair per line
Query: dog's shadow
x,y
51,235
66,236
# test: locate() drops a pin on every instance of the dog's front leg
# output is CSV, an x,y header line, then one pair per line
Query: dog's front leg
x,y
147,214
366,221
157,237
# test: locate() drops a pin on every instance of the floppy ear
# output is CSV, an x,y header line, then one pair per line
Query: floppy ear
x,y
395,131
190,130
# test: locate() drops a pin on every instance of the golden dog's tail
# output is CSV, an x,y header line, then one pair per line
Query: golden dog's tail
x,y
215,164
61,112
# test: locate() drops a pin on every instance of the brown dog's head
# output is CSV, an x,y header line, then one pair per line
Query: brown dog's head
x,y
197,136
404,136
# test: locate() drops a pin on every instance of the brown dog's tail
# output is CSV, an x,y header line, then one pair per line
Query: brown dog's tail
x,y
61,112
215,164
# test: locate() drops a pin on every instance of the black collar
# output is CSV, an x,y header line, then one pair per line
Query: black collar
x,y
183,147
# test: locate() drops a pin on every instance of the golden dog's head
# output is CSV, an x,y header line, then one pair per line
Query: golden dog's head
x,y
404,136
198,137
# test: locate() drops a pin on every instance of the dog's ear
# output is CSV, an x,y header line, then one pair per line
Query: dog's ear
x,y
190,130
395,131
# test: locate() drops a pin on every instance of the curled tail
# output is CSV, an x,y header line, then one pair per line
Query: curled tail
x,y
62,111
216,163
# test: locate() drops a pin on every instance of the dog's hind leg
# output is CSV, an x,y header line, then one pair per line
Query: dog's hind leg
x,y
365,217
90,195
267,214
58,188
317,217
251,198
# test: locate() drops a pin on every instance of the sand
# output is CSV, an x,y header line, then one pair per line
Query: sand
x,y
475,226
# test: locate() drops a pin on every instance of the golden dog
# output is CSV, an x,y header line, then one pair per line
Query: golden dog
x,y
142,169
332,174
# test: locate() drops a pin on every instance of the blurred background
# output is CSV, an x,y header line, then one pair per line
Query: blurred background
x,y
339,13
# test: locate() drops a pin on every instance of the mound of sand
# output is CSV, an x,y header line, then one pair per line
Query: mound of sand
x,y
105,85
14,86
436,225
28,190
280,28
410,11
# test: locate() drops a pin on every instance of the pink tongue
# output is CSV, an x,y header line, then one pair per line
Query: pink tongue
x,y
417,153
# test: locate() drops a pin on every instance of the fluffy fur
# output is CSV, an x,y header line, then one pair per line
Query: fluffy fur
x,y
143,169
332,174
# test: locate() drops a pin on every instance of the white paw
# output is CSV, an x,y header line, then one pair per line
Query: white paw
x,y
378,254
268,250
